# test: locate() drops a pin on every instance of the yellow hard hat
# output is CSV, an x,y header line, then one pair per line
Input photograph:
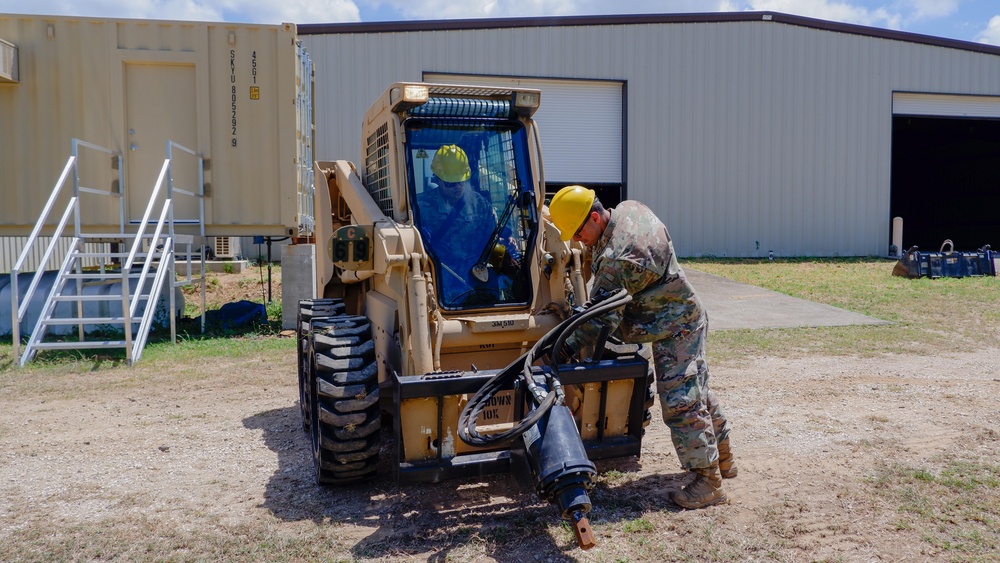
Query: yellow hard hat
x,y
451,164
569,207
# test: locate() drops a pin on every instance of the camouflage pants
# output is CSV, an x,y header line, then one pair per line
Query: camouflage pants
x,y
690,409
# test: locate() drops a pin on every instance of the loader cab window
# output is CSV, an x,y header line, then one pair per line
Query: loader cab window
x,y
473,204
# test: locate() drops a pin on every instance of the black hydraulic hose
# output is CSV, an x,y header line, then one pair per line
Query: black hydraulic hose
x,y
521,367
595,307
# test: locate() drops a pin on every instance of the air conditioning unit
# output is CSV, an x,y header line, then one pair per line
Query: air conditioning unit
x,y
8,62
227,247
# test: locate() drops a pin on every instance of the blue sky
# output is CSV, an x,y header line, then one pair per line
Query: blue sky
x,y
967,20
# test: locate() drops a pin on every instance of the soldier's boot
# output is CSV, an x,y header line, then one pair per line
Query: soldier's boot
x,y
705,490
727,463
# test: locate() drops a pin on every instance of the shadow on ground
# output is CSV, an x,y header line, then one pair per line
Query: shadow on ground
x,y
499,516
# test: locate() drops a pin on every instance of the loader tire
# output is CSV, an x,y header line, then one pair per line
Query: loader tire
x,y
346,415
310,309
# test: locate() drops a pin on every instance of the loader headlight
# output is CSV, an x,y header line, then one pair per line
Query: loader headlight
x,y
526,102
409,95
415,93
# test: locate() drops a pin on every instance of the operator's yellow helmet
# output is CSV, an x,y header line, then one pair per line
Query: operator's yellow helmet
x,y
569,207
451,164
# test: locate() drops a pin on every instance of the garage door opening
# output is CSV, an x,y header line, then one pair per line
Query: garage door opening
x,y
946,181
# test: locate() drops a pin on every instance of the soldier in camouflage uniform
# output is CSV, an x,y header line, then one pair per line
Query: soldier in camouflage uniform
x,y
455,222
632,250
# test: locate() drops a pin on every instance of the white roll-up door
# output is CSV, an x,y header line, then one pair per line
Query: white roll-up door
x,y
580,125
943,105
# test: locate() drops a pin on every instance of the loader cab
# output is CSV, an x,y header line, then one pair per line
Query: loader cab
x,y
480,234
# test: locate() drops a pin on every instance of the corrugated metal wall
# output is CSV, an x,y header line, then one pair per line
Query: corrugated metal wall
x,y
11,248
744,136
227,91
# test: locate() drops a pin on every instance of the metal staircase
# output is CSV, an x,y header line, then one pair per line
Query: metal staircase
x,y
113,304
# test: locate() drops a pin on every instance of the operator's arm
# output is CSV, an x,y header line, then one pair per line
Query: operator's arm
x,y
610,275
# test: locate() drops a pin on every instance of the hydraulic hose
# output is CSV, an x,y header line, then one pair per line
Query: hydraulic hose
x,y
540,399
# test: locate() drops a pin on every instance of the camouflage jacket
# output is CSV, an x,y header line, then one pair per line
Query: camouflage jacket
x,y
635,253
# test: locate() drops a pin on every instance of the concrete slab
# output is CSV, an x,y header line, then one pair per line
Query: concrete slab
x,y
733,305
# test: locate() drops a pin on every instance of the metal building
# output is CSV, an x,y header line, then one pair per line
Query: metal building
x,y
746,132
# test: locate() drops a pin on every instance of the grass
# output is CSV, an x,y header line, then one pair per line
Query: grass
x,y
216,341
928,317
955,505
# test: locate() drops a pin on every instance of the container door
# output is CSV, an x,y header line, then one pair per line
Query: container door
x,y
160,105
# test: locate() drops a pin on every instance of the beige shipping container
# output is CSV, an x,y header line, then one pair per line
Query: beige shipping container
x,y
238,95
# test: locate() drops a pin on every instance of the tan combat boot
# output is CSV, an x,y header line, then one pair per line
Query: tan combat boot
x,y
705,490
727,463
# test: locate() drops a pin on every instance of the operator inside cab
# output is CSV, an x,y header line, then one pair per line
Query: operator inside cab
x,y
456,222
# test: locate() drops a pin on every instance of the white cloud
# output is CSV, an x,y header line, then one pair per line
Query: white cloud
x,y
146,9
834,11
247,11
446,9
450,9
931,9
991,34
294,11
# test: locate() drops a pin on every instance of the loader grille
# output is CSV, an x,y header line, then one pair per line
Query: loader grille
x,y
377,169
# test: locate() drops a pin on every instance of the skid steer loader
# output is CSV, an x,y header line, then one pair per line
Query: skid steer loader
x,y
457,351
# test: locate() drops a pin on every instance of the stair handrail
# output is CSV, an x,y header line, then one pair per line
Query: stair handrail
x,y
19,307
157,286
130,300
36,333
147,262
165,256
200,196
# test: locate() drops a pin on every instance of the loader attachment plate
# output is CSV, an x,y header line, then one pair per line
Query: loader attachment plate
x,y
608,398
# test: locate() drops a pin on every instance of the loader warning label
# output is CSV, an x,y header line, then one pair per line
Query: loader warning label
x,y
499,409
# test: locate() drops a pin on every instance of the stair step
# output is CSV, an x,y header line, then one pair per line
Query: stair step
x,y
112,237
106,254
90,321
75,298
76,345
109,277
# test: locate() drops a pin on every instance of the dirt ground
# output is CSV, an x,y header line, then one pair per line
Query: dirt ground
x,y
205,462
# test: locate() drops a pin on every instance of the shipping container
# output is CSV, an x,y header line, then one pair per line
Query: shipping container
x,y
237,95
